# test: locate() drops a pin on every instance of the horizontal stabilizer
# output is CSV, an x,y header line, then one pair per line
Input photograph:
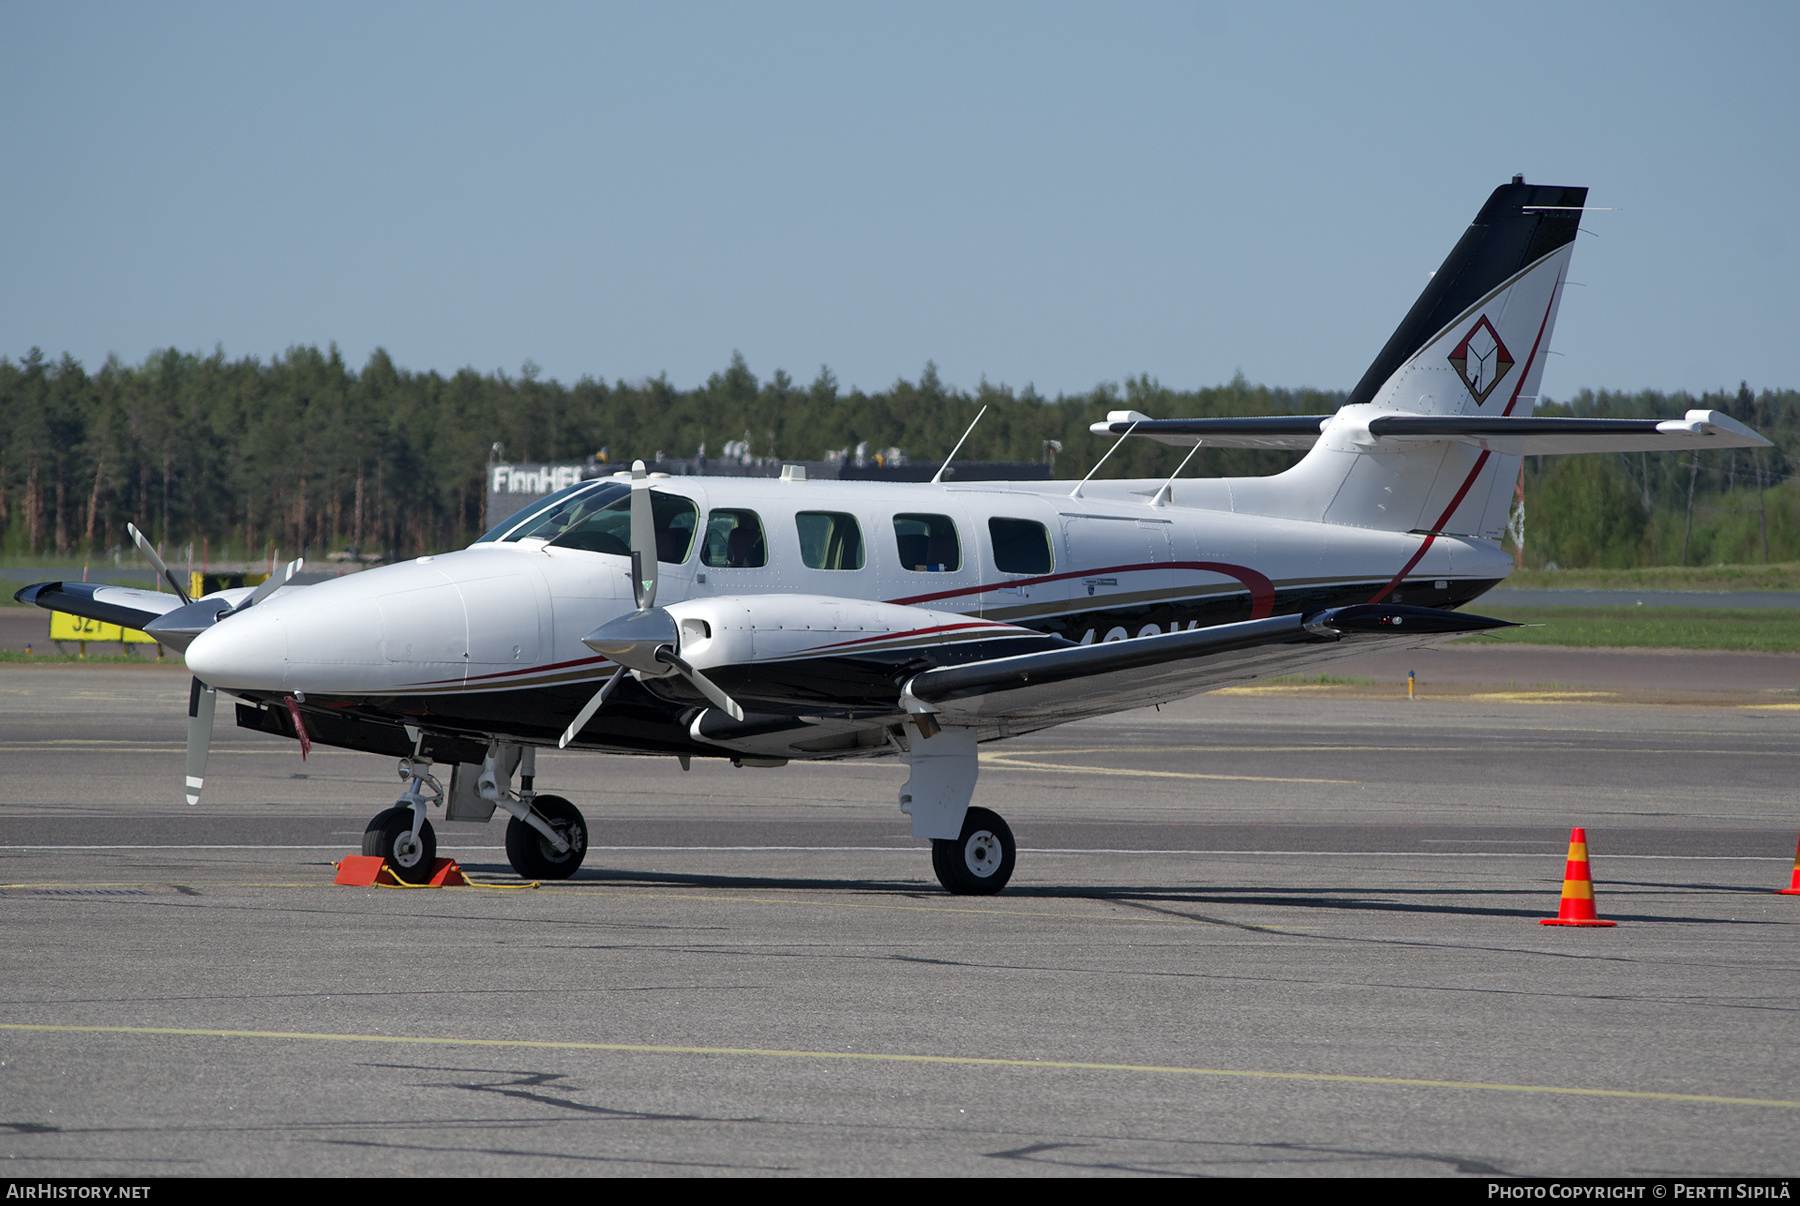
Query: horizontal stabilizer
x,y
1698,429
1297,432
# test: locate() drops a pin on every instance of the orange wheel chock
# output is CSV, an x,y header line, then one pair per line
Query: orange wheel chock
x,y
360,870
446,874
1578,887
371,870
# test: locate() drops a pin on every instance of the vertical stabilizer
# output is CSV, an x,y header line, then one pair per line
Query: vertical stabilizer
x,y
1474,343
1466,345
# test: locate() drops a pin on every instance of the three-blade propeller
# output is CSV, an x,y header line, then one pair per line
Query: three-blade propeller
x,y
203,700
648,641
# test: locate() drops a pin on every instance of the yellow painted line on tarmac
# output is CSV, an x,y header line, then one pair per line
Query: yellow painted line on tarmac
x,y
1518,747
1541,697
65,745
556,889
901,908
1015,762
1332,690
882,1057
1536,697
1069,751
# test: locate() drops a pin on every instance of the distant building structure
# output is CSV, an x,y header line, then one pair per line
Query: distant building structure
x,y
511,487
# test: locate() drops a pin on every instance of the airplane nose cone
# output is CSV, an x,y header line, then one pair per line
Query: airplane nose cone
x,y
244,651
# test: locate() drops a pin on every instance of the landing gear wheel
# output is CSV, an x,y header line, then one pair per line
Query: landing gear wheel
x,y
390,836
535,858
980,861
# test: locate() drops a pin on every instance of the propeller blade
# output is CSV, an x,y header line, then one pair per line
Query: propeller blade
x,y
273,583
587,713
705,685
202,700
147,550
643,539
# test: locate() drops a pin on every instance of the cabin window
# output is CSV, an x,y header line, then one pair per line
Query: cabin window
x,y
927,543
830,540
608,528
1021,546
734,540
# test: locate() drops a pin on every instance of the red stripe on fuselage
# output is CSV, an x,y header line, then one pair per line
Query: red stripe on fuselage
x,y
580,661
901,636
1262,590
1480,461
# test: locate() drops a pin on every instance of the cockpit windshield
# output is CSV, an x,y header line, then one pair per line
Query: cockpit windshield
x,y
545,510
596,516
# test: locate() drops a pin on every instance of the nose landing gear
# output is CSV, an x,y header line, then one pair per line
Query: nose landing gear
x,y
401,835
410,856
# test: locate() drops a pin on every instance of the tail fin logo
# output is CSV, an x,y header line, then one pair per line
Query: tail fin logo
x,y
1481,360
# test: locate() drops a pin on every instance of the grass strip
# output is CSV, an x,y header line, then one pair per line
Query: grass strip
x,y
1783,575
1747,629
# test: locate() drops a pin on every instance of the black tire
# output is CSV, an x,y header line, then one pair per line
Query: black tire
x,y
533,857
390,835
980,861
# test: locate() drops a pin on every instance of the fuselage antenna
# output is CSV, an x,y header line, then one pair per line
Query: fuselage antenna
x,y
1166,495
938,477
1076,492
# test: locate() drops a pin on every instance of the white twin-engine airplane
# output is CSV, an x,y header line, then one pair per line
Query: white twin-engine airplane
x,y
770,620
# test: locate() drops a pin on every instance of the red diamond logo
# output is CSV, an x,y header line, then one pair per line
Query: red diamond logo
x,y
1481,360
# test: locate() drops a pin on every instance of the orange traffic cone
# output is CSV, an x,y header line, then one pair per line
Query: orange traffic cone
x,y
1793,888
1578,887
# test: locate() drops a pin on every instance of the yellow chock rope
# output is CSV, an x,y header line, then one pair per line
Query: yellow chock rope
x,y
467,882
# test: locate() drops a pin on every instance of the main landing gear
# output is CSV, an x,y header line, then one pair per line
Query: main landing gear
x,y
972,849
532,855
545,839
979,862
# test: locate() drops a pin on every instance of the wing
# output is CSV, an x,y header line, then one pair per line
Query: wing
x,y
97,601
835,677
1068,684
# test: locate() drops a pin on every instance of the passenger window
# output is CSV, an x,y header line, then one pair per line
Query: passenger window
x,y
734,540
608,530
1021,546
928,543
830,540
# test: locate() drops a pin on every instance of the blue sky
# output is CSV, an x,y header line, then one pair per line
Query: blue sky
x,y
1054,194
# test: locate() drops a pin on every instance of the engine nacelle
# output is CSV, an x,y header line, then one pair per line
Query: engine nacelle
x,y
738,630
